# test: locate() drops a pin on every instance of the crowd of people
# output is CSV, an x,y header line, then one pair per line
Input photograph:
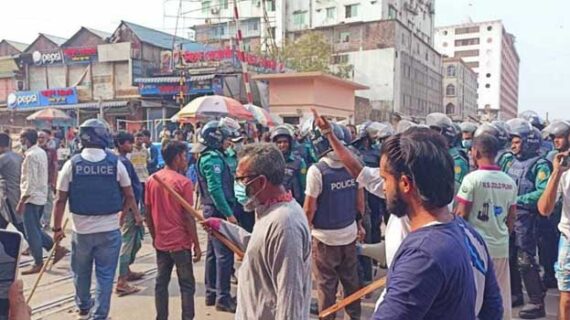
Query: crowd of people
x,y
456,212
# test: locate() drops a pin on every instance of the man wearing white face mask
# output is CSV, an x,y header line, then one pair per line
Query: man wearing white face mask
x,y
334,205
275,275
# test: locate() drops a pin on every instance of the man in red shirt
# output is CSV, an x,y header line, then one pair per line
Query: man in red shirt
x,y
173,230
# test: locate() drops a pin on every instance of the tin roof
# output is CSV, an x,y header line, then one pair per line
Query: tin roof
x,y
154,37
55,39
102,34
18,45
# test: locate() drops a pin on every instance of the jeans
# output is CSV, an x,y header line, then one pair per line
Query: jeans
x,y
102,249
36,237
165,262
46,219
219,265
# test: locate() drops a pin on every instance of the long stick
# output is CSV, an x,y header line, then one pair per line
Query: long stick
x,y
188,207
353,297
50,256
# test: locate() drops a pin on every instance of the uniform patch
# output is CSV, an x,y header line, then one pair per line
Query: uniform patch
x,y
303,170
457,169
541,175
464,189
217,169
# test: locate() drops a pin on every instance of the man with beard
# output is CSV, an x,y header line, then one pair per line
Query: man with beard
x,y
275,276
442,269
334,206
295,167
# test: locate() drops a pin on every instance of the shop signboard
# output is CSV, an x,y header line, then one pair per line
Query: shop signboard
x,y
47,58
153,89
49,97
80,55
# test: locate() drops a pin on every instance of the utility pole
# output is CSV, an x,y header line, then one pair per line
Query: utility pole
x,y
241,55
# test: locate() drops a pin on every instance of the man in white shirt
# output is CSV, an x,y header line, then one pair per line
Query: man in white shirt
x,y
98,187
558,189
33,197
334,205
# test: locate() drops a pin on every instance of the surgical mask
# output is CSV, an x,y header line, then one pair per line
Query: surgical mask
x,y
467,144
249,202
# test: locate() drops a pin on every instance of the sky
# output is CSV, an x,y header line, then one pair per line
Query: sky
x,y
542,34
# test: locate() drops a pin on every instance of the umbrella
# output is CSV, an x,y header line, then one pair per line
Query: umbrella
x,y
48,114
263,117
213,106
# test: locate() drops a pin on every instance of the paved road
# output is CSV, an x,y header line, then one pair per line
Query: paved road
x,y
53,299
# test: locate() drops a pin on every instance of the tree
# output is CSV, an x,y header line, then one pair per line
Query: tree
x,y
311,52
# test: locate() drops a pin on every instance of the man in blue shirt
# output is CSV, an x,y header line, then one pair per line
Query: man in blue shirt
x,y
443,263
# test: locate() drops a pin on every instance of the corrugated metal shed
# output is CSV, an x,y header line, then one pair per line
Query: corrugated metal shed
x,y
154,37
18,45
102,34
55,39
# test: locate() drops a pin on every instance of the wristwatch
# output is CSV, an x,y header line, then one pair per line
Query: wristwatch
x,y
56,229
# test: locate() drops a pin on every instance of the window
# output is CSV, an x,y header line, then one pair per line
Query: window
x,y
450,108
466,42
351,11
445,32
331,13
445,44
252,26
270,5
451,71
489,28
344,37
340,59
489,40
466,53
472,64
487,86
467,30
450,90
488,75
392,12
299,18
206,6
224,4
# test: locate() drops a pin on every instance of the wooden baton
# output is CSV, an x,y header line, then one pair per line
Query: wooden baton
x,y
188,207
44,267
352,298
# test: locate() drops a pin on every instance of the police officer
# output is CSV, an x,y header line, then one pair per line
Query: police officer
x,y
215,182
548,233
539,123
531,172
333,205
98,187
295,166
467,134
443,124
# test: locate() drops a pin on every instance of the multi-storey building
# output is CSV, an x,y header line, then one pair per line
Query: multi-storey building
x,y
459,89
490,51
388,42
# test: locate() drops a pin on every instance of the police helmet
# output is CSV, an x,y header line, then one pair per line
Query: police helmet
x,y
530,136
212,136
533,118
281,131
443,124
347,136
320,142
404,125
468,127
557,128
498,132
95,132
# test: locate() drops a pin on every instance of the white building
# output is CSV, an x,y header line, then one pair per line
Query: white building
x,y
388,42
490,51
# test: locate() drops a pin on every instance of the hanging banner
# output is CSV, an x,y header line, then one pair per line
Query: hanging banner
x,y
80,55
153,89
194,57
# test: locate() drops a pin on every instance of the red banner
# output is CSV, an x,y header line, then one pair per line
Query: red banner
x,y
228,54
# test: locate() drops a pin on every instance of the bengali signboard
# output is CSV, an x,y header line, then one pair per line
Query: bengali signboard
x,y
153,89
49,97
80,55
196,57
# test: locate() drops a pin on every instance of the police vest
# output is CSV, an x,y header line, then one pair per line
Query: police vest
x,y
292,181
336,205
371,157
227,182
94,189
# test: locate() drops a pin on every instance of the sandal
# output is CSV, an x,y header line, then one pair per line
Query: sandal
x,y
134,276
125,291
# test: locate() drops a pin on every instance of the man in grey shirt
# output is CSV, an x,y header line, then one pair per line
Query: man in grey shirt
x,y
10,166
275,276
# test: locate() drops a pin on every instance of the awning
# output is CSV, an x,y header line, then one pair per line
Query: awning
x,y
87,105
174,79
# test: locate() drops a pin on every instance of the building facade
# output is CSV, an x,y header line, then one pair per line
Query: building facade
x,y
389,43
489,50
459,89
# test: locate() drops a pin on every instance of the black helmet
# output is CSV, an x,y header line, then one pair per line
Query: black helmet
x,y
95,132
211,135
443,124
320,143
